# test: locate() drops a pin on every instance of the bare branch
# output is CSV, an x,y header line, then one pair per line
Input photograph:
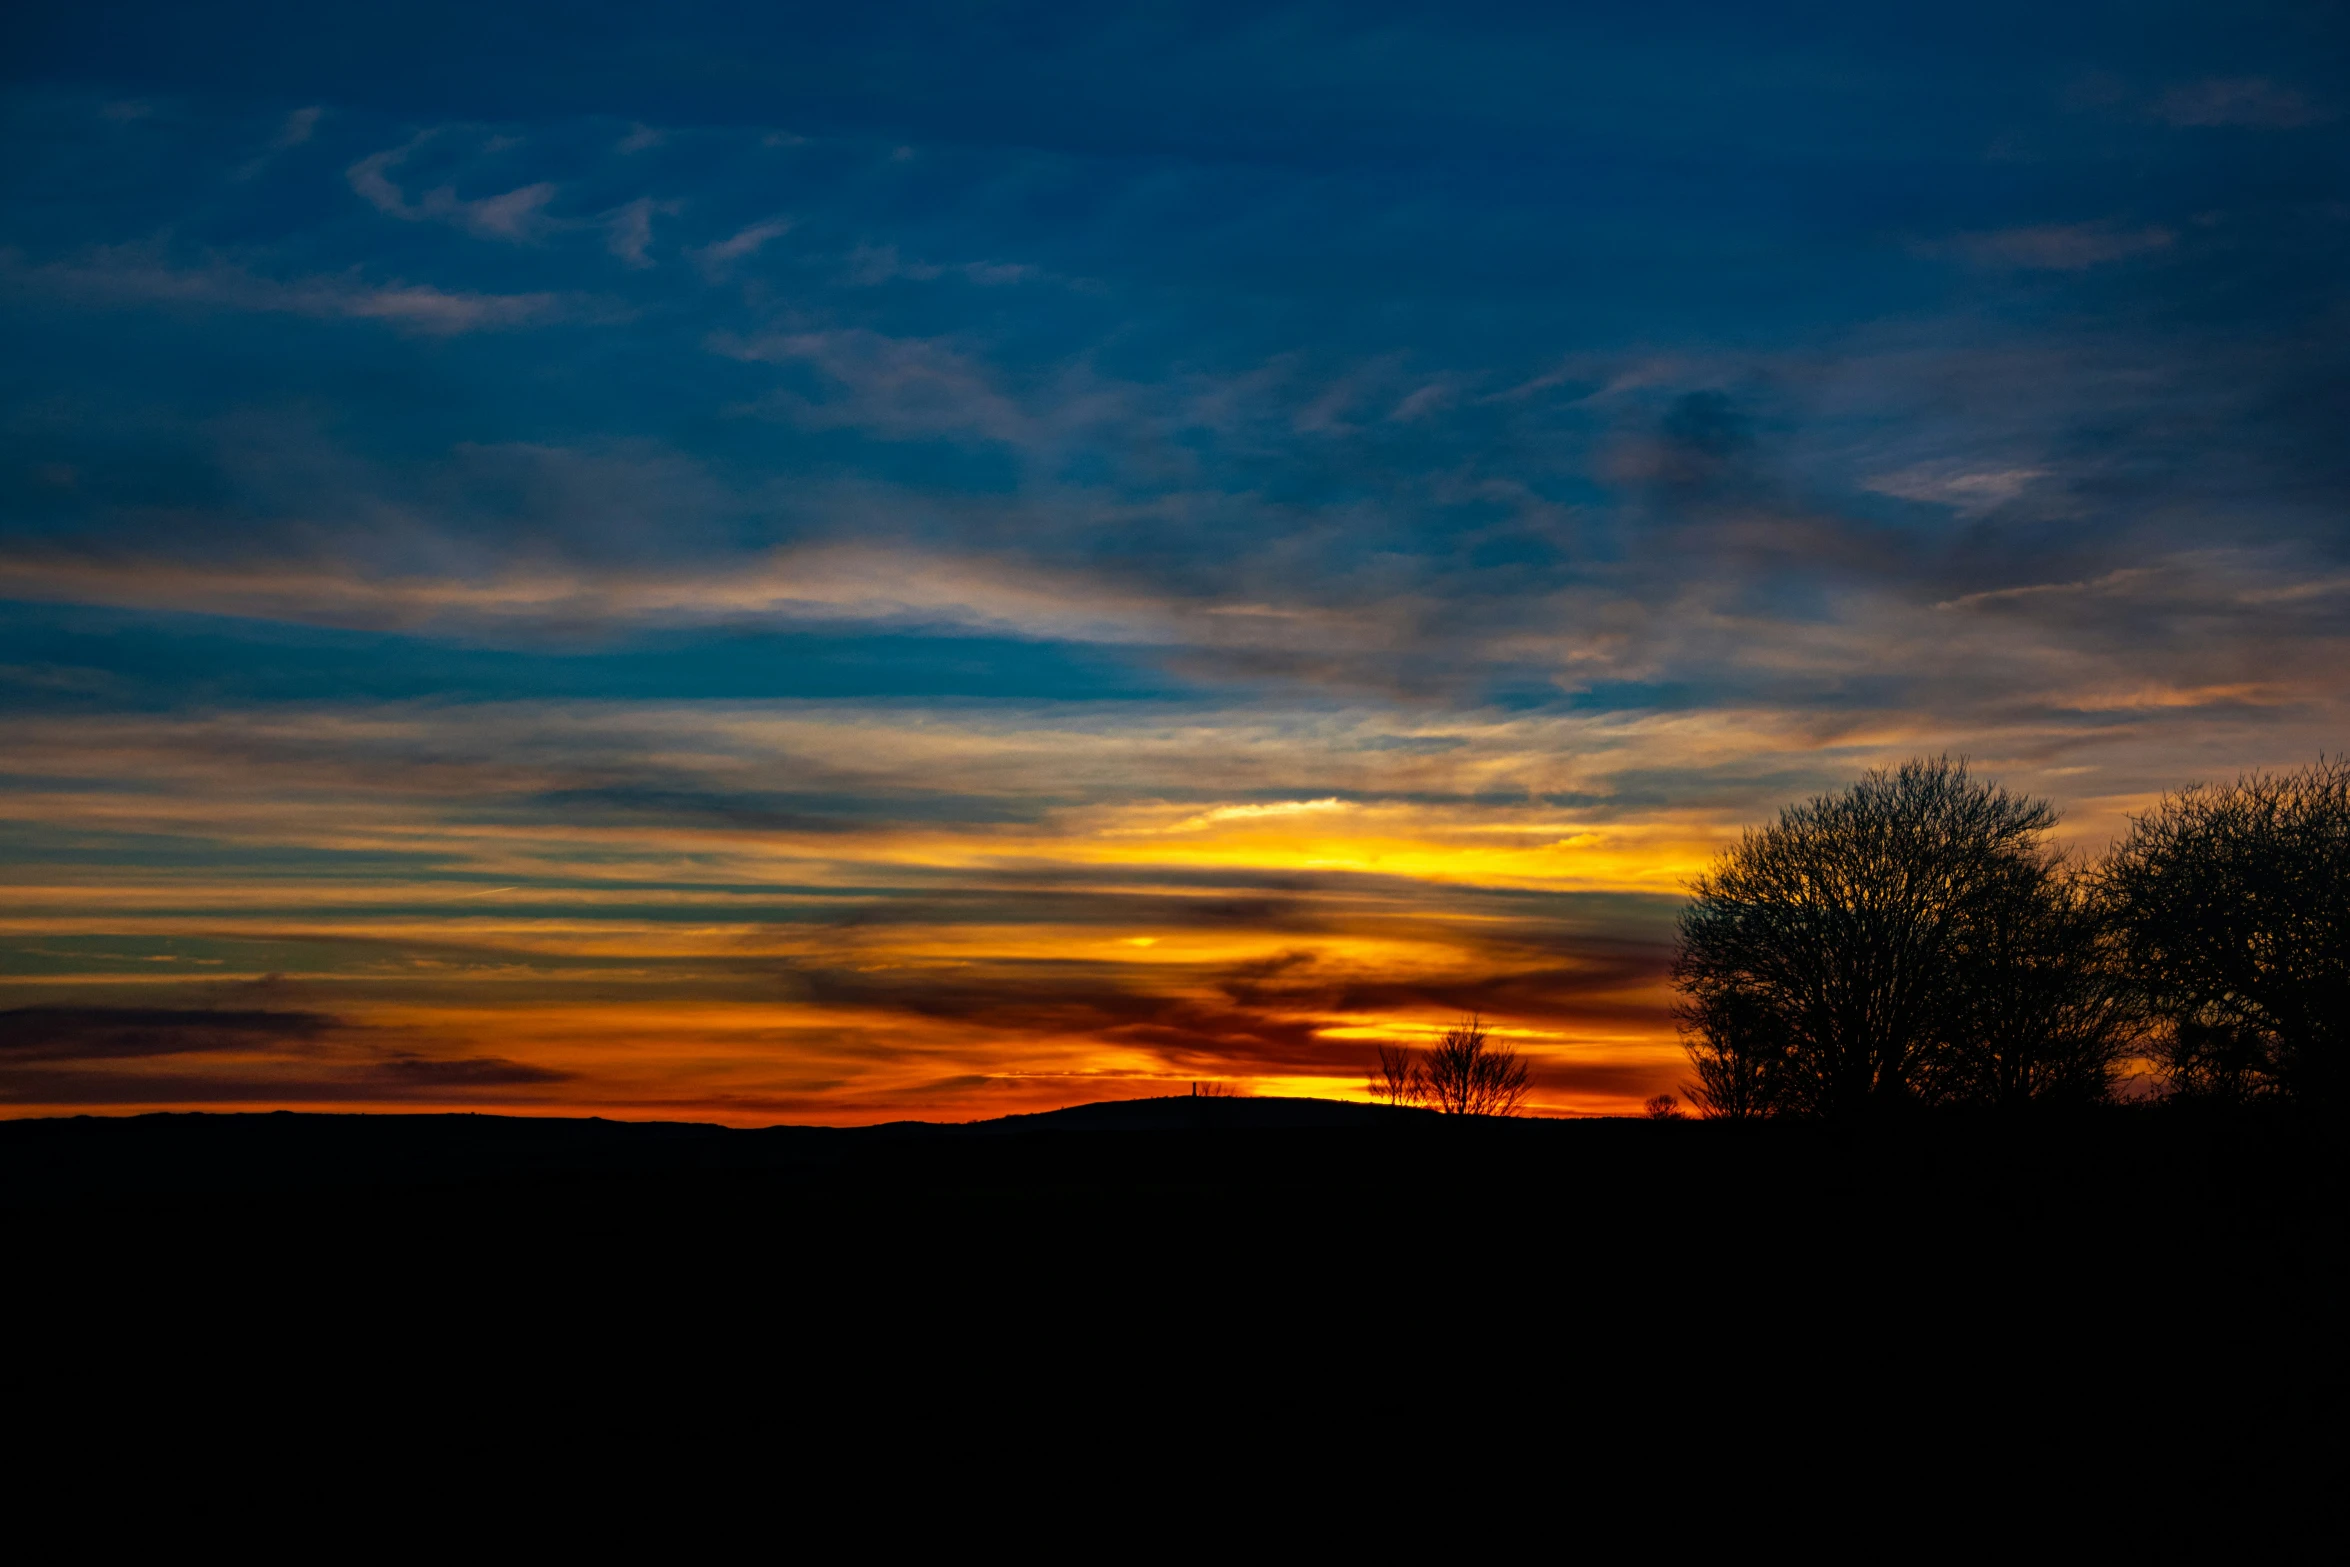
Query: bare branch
x,y
1468,1074
1398,1078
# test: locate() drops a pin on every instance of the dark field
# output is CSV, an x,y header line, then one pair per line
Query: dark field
x,y
2136,1249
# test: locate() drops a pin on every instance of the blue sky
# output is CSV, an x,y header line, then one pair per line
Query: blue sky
x,y
593,462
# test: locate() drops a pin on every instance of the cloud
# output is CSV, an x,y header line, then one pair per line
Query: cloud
x,y
1423,402
1956,484
2060,247
297,129
425,1074
369,180
44,1034
894,386
516,216
870,265
745,242
1278,809
429,309
139,275
196,1055
2253,101
822,583
628,229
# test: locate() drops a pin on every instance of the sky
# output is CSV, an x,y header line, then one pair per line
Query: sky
x,y
842,564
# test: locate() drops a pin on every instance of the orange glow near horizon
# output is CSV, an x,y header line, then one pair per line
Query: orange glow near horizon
x,y
753,977
397,938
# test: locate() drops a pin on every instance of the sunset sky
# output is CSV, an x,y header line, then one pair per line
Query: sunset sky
x,y
847,563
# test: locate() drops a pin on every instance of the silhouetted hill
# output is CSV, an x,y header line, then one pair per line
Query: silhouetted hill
x,y
1181,1113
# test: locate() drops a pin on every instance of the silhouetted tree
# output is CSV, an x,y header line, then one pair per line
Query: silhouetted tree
x,y
1467,1074
1854,953
2041,1010
1738,1058
2201,1060
2231,907
1398,1078
1663,1107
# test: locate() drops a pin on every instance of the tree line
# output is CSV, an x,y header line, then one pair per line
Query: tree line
x,y
1913,941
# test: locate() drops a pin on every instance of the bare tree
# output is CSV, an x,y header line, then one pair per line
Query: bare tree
x,y
2042,1011
1824,964
1467,1074
1739,1060
1398,1078
2231,907
1664,1107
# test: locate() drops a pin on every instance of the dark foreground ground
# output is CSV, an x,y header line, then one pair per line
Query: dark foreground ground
x,y
2153,1250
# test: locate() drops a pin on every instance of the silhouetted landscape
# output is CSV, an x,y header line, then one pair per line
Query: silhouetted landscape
x,y
1908,1026
1114,717
2153,1253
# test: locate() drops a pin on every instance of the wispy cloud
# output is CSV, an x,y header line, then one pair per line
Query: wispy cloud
x,y
628,229
869,265
2252,101
138,275
1959,485
1274,810
890,385
298,128
517,216
2060,247
197,1054
716,258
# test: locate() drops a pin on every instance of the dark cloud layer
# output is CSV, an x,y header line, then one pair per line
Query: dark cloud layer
x,y
126,1033
75,1054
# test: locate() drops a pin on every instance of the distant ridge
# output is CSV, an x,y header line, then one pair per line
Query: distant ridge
x,y
1183,1112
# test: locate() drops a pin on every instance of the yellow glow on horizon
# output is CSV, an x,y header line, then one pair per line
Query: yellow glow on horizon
x,y
1305,899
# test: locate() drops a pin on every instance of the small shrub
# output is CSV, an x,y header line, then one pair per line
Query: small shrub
x,y
1398,1078
1467,1074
